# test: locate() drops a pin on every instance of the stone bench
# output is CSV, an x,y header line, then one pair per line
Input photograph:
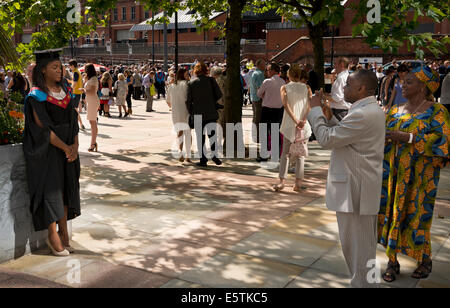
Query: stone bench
x,y
17,235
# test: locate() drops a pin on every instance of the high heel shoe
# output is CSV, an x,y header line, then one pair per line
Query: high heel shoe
x,y
93,148
63,253
69,248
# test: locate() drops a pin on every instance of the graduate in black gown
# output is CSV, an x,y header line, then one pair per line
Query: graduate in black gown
x,y
51,152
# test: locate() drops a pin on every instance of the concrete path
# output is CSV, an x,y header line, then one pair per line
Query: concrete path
x,y
149,221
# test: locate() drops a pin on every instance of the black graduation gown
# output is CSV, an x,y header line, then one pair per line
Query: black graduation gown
x,y
53,182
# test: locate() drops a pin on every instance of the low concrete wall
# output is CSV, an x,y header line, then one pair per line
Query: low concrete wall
x,y
17,236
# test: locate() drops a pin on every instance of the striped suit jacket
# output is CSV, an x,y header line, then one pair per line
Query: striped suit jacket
x,y
356,165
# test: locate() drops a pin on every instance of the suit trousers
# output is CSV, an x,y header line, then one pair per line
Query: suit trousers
x,y
358,235
271,116
257,109
201,136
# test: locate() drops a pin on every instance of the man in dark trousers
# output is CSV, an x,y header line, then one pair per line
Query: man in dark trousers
x,y
160,83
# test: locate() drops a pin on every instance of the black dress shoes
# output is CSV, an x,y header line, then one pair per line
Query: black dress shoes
x,y
260,159
217,161
201,164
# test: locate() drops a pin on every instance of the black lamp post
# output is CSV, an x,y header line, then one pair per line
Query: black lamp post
x,y
176,36
153,39
176,41
332,46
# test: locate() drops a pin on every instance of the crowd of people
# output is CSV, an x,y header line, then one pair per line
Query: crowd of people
x,y
389,137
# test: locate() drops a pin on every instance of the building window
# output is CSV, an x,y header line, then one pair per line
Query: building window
x,y
124,13
116,15
133,13
193,30
169,31
147,14
182,30
88,39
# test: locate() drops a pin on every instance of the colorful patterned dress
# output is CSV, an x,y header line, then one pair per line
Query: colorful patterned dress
x,y
410,181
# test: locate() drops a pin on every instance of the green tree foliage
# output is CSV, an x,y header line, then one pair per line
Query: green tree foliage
x,y
50,19
8,55
390,34
399,18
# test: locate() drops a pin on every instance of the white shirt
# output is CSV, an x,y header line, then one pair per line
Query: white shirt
x,y
337,92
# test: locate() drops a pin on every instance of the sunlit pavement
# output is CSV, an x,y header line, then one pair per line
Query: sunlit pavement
x,y
150,221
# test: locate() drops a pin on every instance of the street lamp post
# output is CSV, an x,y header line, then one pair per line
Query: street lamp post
x,y
153,38
176,36
165,43
176,41
71,47
332,46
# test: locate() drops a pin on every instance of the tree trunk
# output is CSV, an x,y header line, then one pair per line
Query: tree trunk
x,y
233,95
316,34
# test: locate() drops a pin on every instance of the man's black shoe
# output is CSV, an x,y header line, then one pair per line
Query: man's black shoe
x,y
201,164
217,161
260,159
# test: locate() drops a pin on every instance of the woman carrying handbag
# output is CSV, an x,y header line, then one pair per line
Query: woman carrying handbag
x,y
294,127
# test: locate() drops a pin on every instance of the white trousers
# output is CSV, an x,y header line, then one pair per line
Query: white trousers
x,y
358,235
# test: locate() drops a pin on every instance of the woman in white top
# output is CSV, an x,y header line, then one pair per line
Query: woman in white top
x,y
93,103
176,99
295,97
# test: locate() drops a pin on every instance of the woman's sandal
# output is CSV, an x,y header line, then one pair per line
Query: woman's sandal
x,y
423,271
391,270
278,187
299,188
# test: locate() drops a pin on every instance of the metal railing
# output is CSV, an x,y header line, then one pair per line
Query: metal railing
x,y
188,48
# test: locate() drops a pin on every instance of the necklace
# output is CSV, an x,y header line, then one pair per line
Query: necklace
x,y
417,108
56,89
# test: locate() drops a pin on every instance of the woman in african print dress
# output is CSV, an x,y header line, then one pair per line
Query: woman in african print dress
x,y
417,148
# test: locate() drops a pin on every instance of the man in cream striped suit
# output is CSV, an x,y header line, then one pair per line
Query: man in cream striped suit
x,y
356,167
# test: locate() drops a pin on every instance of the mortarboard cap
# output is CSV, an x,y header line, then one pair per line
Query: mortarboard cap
x,y
50,54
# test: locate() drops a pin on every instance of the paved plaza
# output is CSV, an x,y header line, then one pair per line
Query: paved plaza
x,y
150,221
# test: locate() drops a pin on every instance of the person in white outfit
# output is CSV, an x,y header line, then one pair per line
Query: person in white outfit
x,y
176,99
295,97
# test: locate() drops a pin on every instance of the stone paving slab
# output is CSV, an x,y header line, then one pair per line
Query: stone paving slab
x,y
312,278
11,279
242,271
283,247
